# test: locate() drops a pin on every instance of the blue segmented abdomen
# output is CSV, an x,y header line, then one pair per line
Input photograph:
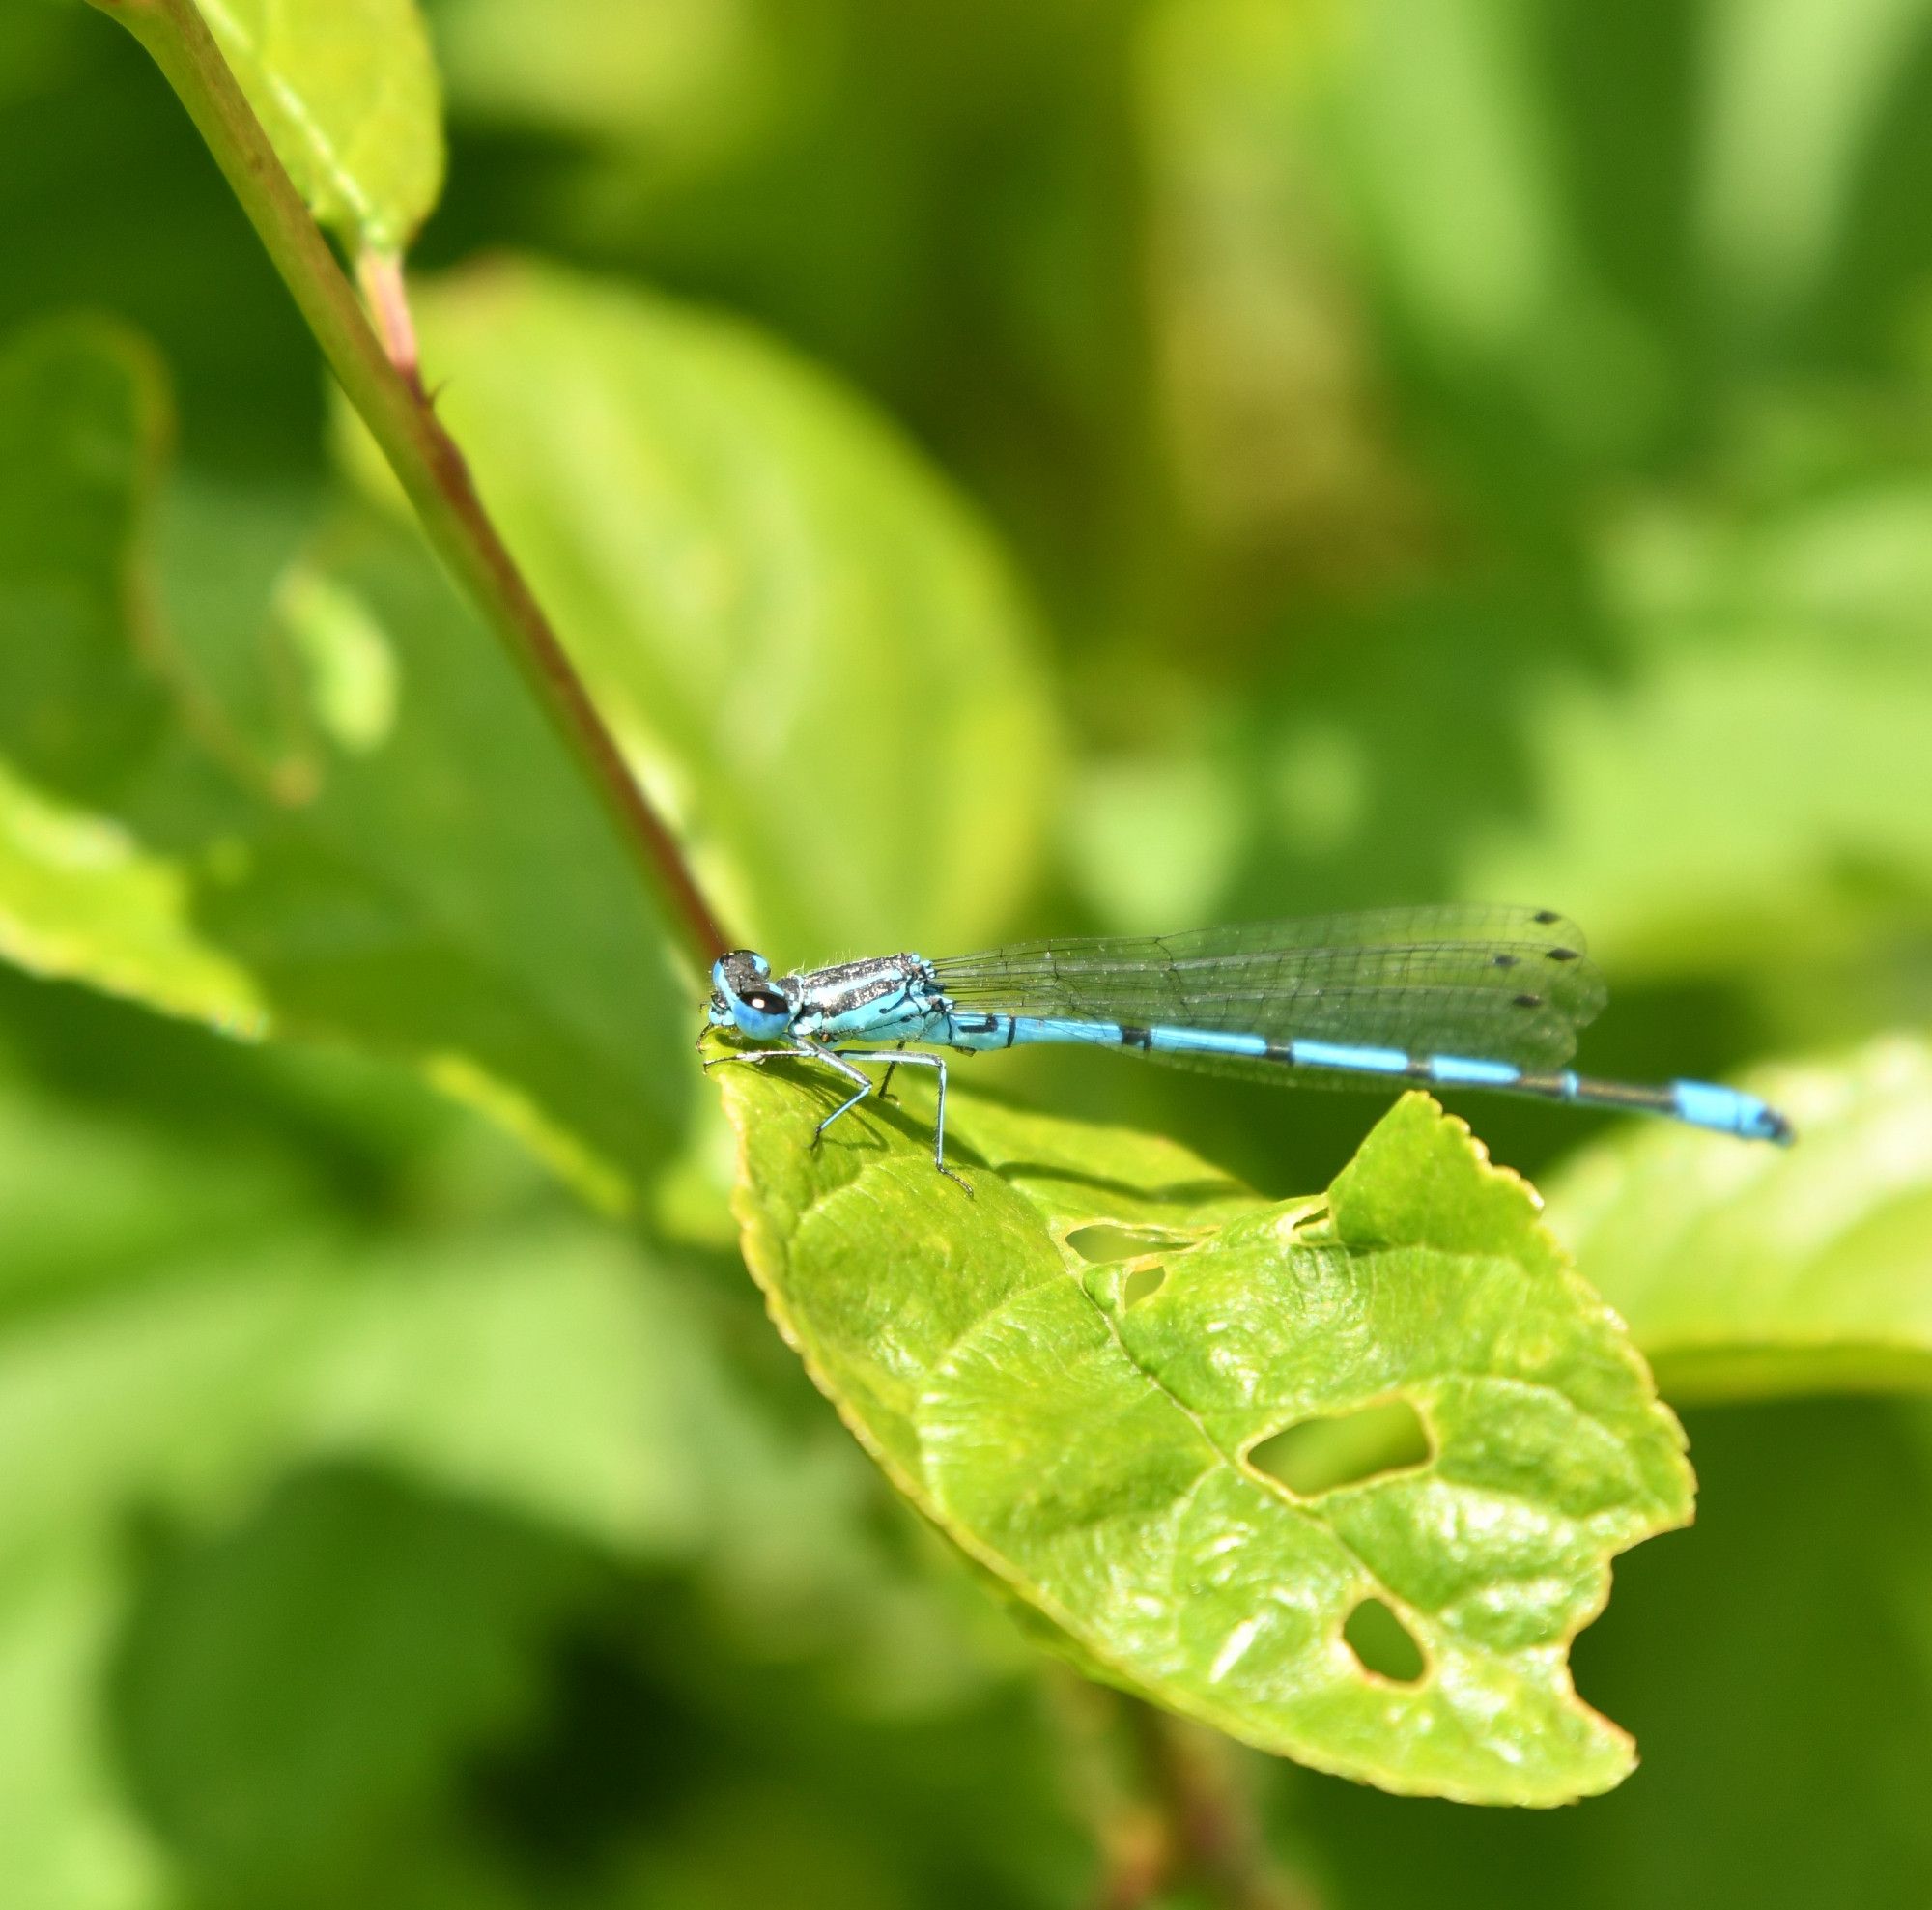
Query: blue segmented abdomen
x,y
1730,1111
1699,1103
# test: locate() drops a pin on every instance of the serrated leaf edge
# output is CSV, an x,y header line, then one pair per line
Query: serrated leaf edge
x,y
764,1256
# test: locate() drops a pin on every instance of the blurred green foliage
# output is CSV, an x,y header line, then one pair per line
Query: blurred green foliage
x,y
1337,453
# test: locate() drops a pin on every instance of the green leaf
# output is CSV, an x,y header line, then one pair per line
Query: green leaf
x,y
325,1428
83,424
1747,639
172,1392
1447,746
587,1397
182,1318
538,1369
806,642
85,1196
1091,1444
405,860
456,896
71,1840
1795,106
1778,1657
348,92
80,901
679,78
279,1703
1756,1271
1457,80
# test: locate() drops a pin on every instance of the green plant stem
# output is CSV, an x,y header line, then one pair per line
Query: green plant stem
x,y
422,453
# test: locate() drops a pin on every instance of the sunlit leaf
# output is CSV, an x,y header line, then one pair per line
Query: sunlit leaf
x,y
1793,103
1758,1270
686,75
584,1382
1089,1442
186,1317
537,1368
348,92
72,1840
807,644
82,901
406,861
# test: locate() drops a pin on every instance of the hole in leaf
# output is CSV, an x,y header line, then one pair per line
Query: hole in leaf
x,y
1142,1283
1102,1243
1343,1448
1383,1644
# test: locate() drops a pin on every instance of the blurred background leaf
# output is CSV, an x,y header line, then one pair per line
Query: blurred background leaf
x,y
1752,1272
266,1427
806,645
350,873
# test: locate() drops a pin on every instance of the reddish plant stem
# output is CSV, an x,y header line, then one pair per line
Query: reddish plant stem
x,y
1215,1839
380,273
1167,1804
383,387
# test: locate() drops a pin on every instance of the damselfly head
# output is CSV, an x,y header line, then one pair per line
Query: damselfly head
x,y
745,996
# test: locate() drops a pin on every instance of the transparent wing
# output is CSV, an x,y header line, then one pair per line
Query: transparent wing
x,y
1498,983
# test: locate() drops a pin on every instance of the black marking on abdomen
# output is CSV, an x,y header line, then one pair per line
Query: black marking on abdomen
x,y
1590,1092
1136,1037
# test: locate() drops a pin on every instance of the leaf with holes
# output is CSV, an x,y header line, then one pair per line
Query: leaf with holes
x,y
1749,1272
1087,1432
347,91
